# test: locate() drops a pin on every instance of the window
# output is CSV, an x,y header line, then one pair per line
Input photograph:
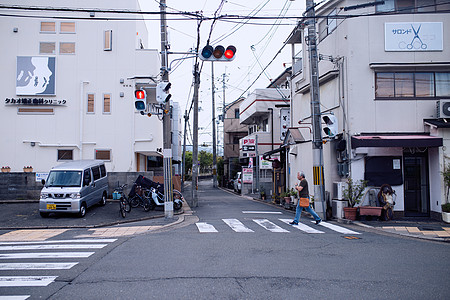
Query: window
x,y
47,48
409,84
96,173
48,27
90,103
103,154
236,113
66,48
332,22
411,6
67,27
102,170
86,176
107,103
107,40
65,154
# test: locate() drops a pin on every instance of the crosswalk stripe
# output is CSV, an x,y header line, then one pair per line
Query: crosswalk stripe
x,y
59,242
15,297
7,281
205,227
266,224
337,228
52,247
37,266
302,227
236,225
262,212
46,255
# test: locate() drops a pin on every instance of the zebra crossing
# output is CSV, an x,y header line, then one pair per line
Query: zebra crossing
x,y
237,226
35,256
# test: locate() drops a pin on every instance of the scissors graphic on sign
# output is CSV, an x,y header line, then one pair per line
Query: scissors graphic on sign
x,y
416,36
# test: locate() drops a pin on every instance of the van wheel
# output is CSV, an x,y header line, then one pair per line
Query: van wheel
x,y
82,211
103,201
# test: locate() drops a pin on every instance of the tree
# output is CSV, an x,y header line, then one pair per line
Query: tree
x,y
205,159
188,164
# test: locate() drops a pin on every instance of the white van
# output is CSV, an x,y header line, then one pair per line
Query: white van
x,y
74,186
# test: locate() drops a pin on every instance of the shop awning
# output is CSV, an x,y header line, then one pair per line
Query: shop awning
x,y
396,140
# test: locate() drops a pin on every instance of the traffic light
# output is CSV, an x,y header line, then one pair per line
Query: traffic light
x,y
219,53
140,99
162,92
331,125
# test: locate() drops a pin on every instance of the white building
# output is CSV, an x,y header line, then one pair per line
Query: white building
x,y
67,86
383,77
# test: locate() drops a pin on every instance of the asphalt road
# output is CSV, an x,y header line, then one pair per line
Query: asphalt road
x,y
183,263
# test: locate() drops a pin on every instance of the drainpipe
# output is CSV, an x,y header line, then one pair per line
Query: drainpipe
x,y
271,123
81,116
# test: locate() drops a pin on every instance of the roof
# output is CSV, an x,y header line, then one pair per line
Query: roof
x,y
396,140
439,123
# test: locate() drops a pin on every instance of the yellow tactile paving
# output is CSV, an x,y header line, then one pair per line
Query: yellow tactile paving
x,y
442,233
31,234
119,231
446,228
413,229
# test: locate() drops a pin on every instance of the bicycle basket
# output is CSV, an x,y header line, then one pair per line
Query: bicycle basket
x,y
116,195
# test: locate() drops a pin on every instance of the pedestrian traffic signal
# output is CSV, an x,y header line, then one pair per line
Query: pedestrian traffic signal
x,y
140,99
162,92
331,125
219,53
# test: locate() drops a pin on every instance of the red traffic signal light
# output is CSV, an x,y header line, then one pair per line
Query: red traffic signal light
x,y
218,53
140,100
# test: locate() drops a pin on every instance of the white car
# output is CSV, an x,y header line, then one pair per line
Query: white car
x,y
237,182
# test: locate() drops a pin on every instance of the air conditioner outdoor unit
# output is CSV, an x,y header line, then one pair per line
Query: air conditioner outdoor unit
x,y
443,109
338,190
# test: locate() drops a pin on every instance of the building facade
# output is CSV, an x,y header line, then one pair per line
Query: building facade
x,y
385,77
67,86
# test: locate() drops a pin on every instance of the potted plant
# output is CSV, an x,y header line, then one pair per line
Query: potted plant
x,y
28,169
446,212
262,192
6,169
294,196
446,175
353,194
286,196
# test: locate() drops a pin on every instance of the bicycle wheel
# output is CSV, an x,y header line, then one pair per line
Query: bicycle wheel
x,y
122,209
177,196
127,205
146,204
134,201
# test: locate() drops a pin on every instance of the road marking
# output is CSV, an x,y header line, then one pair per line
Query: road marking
x,y
60,241
236,225
302,227
205,227
22,297
337,228
52,247
262,212
266,224
6,281
46,255
37,266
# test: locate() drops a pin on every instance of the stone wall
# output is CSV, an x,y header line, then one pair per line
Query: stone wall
x,y
23,186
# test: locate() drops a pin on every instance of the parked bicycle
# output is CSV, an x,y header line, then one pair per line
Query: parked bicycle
x,y
140,198
124,204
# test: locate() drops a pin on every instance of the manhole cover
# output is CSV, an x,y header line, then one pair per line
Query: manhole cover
x,y
351,237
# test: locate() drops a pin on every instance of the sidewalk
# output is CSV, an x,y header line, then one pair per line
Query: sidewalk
x,y
422,228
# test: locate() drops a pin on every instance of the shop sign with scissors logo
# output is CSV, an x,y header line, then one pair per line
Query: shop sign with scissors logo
x,y
427,36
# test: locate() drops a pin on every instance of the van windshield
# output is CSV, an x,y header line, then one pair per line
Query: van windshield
x,y
64,178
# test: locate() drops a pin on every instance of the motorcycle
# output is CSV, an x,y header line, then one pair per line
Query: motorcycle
x,y
156,194
157,199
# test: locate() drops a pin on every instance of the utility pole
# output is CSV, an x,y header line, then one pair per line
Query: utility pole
x,y
213,88
183,159
167,131
195,138
317,145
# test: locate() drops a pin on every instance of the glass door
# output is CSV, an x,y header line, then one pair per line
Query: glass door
x,y
416,184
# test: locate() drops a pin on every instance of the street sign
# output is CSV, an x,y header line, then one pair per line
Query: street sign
x,y
247,175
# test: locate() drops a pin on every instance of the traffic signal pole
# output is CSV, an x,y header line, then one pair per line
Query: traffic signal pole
x,y
317,145
167,131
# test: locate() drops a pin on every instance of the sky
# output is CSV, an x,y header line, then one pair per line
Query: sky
x,y
256,42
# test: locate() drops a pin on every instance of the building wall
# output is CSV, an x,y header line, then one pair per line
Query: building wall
x,y
359,45
34,139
